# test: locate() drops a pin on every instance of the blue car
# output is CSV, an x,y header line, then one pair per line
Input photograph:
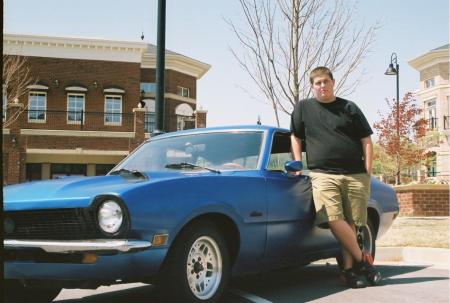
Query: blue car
x,y
184,211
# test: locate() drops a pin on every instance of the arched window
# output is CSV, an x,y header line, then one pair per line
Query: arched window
x,y
185,116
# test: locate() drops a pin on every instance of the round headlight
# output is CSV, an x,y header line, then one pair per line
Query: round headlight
x,y
110,216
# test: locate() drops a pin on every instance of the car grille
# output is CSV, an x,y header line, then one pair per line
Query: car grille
x,y
54,224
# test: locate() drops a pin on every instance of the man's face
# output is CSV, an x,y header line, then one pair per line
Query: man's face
x,y
323,87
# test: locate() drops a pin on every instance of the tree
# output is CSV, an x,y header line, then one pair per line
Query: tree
x,y
286,39
407,150
16,78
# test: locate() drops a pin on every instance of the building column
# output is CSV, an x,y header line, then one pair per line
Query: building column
x,y
200,118
139,130
14,145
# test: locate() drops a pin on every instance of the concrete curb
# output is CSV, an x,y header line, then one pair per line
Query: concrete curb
x,y
423,255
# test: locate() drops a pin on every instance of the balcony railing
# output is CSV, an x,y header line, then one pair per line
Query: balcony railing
x,y
446,122
432,123
78,120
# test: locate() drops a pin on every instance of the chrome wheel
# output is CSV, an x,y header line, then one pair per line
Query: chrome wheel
x,y
204,267
365,239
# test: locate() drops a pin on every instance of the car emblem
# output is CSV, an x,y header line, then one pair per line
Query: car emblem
x,y
8,226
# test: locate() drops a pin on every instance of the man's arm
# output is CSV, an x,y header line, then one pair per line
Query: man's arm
x,y
296,148
367,147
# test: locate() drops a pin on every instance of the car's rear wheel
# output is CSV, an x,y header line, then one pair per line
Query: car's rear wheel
x,y
15,291
365,235
197,266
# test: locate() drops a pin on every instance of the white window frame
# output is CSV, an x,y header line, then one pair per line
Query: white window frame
x,y
84,106
181,90
120,110
45,107
429,83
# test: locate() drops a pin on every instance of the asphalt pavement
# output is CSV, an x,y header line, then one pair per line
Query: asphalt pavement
x,y
318,282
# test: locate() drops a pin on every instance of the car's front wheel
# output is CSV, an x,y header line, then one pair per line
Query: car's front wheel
x,y
15,291
197,266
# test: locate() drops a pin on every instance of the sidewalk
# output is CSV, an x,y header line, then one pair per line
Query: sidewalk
x,y
422,240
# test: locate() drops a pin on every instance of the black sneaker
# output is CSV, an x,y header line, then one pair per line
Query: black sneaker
x,y
366,268
349,278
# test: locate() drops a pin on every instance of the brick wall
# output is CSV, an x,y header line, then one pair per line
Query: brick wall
x,y
423,200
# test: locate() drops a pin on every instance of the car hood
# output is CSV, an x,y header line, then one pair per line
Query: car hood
x,y
72,192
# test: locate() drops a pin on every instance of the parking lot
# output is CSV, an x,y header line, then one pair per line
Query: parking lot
x,y
314,283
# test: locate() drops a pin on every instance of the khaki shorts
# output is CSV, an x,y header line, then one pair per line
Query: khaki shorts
x,y
340,197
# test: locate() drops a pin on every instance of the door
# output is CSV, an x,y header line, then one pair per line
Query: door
x,y
291,233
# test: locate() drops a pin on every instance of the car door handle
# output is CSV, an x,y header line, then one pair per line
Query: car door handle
x,y
256,214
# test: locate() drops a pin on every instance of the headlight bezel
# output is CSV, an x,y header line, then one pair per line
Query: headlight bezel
x,y
124,227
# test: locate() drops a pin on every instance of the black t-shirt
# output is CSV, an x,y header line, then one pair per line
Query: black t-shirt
x,y
332,133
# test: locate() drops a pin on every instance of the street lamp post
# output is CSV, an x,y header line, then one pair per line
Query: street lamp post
x,y
390,72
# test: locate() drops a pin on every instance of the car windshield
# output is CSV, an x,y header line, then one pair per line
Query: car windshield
x,y
238,150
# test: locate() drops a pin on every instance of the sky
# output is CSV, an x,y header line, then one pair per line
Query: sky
x,y
197,28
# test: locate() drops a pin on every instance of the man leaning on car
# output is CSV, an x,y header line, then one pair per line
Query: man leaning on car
x,y
339,153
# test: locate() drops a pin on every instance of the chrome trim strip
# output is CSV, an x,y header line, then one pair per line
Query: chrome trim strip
x,y
97,245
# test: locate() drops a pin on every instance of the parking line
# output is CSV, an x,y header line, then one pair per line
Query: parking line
x,y
248,296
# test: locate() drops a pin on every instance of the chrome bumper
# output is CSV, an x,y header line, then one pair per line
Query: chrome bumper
x,y
101,245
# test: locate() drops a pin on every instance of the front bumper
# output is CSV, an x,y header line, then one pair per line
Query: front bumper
x,y
98,246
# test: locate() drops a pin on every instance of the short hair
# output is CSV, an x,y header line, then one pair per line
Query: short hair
x,y
319,71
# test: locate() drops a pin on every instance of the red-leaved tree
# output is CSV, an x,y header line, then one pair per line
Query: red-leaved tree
x,y
405,150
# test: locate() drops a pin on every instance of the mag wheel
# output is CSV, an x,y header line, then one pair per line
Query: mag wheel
x,y
197,266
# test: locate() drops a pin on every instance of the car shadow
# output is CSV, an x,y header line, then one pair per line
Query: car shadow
x,y
317,281
304,284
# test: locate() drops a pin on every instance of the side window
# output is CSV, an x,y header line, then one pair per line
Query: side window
x,y
281,151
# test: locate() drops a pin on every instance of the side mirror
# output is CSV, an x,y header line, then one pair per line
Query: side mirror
x,y
293,166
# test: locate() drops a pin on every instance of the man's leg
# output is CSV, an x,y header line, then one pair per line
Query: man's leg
x,y
346,235
346,255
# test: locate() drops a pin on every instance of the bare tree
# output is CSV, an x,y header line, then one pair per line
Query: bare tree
x,y
16,78
285,39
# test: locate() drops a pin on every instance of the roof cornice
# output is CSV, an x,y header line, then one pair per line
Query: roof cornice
x,y
178,63
429,59
73,48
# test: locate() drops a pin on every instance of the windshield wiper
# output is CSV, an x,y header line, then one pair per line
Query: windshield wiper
x,y
129,173
184,165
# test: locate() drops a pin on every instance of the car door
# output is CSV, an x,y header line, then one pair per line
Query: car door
x,y
291,233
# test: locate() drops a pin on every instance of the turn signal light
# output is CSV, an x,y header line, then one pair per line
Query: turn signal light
x,y
89,258
159,240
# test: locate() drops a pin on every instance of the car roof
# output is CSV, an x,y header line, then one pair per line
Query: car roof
x,y
220,129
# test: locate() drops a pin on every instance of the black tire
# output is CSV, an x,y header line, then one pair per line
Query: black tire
x,y
365,236
15,291
197,266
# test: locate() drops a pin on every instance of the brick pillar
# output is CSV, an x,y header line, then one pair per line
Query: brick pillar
x,y
139,131
200,118
14,144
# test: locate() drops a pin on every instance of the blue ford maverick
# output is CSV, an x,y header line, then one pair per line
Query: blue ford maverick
x,y
184,211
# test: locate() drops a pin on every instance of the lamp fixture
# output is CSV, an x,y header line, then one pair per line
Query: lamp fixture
x,y
95,84
56,83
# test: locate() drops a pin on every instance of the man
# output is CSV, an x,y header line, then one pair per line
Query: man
x,y
339,155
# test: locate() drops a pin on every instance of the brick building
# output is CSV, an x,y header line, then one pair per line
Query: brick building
x,y
91,102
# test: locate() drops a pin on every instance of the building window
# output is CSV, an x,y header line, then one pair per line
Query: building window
x,y
60,170
33,171
150,116
113,110
430,114
429,83
103,169
148,87
185,117
37,103
183,91
75,108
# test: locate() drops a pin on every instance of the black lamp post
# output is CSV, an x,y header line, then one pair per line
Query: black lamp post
x,y
390,72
